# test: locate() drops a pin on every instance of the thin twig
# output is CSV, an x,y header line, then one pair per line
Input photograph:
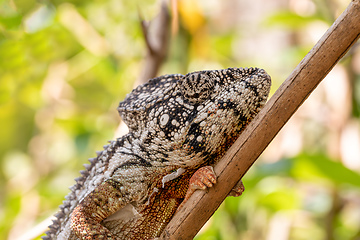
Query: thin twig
x,y
156,35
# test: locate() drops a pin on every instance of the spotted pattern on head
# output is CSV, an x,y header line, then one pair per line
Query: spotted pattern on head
x,y
197,86
182,119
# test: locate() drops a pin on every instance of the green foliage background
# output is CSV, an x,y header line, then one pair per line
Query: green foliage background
x,y
64,66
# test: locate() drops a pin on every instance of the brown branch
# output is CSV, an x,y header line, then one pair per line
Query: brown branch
x,y
156,34
287,99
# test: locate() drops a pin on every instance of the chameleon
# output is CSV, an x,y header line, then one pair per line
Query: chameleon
x,y
179,127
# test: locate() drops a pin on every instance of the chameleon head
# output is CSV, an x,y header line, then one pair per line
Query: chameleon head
x,y
187,120
224,102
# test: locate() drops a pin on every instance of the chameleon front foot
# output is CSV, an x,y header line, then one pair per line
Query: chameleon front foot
x,y
203,178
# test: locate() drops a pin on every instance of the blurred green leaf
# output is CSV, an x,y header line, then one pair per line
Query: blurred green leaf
x,y
282,199
321,168
11,22
291,20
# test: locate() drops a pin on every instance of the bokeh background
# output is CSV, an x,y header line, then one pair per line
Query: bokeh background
x,y
65,65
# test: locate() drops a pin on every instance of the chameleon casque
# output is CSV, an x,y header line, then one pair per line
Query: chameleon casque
x,y
178,127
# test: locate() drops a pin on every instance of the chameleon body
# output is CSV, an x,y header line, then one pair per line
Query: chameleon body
x,y
177,124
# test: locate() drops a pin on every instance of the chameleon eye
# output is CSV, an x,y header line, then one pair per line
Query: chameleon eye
x,y
196,87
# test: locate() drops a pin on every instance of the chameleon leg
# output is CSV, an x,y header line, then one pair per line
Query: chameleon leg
x,y
237,190
103,201
204,177
95,207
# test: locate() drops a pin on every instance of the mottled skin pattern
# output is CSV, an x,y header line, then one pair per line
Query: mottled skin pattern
x,y
177,124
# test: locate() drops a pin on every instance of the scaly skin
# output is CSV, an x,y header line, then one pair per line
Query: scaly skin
x,y
177,125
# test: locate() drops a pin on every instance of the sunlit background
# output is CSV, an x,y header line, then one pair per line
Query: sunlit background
x,y
64,66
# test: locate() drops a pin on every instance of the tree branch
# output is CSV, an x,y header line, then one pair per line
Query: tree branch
x,y
256,137
156,34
